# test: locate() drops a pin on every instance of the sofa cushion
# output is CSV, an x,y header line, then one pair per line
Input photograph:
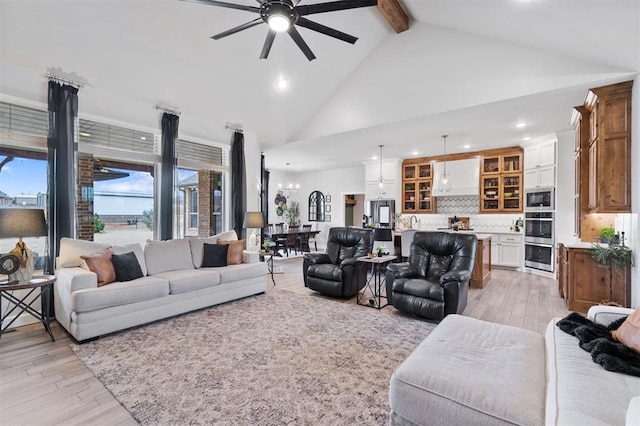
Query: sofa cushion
x,y
187,280
116,294
580,391
126,266
71,250
419,287
100,263
136,249
629,332
215,255
232,273
236,249
170,255
469,371
197,245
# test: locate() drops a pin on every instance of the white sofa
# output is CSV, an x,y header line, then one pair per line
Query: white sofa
x,y
471,372
173,283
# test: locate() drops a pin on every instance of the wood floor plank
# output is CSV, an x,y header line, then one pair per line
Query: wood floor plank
x,y
49,376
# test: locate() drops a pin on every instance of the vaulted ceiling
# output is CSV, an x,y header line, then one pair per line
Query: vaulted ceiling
x,y
467,68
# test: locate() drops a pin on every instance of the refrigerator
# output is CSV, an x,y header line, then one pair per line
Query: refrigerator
x,y
381,212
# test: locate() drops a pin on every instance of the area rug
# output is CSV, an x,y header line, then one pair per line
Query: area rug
x,y
278,358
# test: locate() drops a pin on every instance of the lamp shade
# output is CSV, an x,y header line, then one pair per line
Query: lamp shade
x,y
253,220
382,234
22,223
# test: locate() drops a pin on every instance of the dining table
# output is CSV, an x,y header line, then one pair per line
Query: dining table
x,y
279,235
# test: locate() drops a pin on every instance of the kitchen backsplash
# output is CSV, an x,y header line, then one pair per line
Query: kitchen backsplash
x,y
459,206
482,222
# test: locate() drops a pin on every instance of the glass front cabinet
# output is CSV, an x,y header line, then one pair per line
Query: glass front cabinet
x,y
501,183
417,182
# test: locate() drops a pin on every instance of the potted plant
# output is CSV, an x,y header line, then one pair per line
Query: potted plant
x,y
611,256
608,235
380,250
265,246
292,213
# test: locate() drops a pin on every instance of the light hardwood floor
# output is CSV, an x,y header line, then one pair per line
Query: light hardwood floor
x,y
43,382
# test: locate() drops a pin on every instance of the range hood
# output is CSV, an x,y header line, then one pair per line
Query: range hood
x,y
464,176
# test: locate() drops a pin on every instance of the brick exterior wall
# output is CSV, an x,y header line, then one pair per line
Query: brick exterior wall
x,y
85,197
205,192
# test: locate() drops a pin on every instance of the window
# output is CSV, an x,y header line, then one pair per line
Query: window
x,y
193,207
316,207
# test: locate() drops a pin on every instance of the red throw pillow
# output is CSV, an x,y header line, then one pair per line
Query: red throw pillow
x,y
101,264
235,252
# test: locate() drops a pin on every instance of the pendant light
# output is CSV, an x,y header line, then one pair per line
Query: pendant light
x,y
445,182
381,179
289,189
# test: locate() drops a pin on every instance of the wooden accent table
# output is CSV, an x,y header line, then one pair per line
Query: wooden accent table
x,y
44,285
376,284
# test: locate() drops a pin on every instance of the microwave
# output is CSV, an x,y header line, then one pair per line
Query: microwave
x,y
539,199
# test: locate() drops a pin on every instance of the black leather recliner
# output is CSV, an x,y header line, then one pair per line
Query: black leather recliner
x,y
435,281
337,272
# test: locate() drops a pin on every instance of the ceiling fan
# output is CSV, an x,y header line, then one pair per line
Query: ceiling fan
x,y
284,15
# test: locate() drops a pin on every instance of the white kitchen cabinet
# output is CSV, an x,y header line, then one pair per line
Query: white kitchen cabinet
x,y
540,177
372,189
506,250
540,155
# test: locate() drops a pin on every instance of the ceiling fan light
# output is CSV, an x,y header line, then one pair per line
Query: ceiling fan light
x,y
278,22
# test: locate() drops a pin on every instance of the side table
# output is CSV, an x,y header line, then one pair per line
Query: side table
x,y
43,285
267,257
376,284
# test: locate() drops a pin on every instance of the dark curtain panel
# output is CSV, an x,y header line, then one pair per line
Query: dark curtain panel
x,y
167,175
62,148
238,180
264,195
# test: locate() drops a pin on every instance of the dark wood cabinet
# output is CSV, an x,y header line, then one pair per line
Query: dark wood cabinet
x,y
482,266
609,154
583,283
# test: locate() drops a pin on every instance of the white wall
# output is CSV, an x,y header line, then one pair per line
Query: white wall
x,y
335,182
565,186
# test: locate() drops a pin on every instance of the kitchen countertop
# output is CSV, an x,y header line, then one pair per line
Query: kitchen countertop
x,y
473,231
573,243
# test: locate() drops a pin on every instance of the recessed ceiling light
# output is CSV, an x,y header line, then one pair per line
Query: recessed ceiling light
x,y
466,146
526,138
282,84
143,138
375,157
521,125
85,134
415,153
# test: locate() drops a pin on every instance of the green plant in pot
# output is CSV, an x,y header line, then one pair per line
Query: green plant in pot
x,y
380,250
265,246
608,235
609,257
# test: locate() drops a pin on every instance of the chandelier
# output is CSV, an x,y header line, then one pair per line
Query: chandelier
x,y
445,182
289,188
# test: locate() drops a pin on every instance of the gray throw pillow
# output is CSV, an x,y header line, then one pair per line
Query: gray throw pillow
x,y
215,255
127,266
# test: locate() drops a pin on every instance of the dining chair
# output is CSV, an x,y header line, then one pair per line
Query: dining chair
x,y
312,240
303,238
292,238
280,240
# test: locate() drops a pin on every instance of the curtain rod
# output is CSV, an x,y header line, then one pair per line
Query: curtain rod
x,y
236,127
50,76
170,110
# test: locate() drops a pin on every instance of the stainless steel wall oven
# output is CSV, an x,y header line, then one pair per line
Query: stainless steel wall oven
x,y
539,240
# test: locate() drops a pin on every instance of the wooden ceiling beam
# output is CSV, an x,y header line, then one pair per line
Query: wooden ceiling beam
x,y
394,14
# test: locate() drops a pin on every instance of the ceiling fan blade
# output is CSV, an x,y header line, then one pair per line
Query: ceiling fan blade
x,y
268,42
295,35
333,6
225,4
304,22
239,28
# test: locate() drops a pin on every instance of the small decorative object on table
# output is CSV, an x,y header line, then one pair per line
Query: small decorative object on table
x,y
18,222
380,250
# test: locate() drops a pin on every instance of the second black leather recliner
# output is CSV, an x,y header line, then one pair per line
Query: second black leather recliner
x,y
337,272
435,281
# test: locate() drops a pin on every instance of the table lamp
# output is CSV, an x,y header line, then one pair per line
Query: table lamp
x,y
15,222
254,220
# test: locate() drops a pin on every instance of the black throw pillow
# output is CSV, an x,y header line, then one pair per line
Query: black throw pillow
x,y
126,266
215,255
